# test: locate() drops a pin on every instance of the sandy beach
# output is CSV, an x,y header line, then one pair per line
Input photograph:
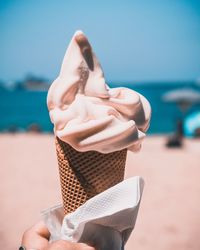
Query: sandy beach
x,y
169,215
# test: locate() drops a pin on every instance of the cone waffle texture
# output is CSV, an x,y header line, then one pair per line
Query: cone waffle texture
x,y
86,174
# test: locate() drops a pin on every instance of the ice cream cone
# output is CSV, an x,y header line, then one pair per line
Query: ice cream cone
x,y
86,174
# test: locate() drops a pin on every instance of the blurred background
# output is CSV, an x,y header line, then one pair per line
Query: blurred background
x,y
152,47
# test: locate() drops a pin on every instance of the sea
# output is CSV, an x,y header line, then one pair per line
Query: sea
x,y
21,109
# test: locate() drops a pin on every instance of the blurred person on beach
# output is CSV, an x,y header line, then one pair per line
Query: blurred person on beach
x,y
37,237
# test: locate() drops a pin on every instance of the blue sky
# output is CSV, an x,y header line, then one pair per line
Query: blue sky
x,y
134,40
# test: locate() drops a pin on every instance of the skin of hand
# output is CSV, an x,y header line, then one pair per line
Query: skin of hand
x,y
37,238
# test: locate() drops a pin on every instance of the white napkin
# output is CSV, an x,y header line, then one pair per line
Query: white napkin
x,y
105,220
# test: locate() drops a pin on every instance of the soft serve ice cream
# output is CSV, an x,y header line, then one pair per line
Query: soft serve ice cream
x,y
89,115
94,126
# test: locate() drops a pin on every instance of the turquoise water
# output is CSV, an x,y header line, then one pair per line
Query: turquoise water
x,y
21,108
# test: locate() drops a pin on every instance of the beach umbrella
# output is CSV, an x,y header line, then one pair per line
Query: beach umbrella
x,y
183,97
192,123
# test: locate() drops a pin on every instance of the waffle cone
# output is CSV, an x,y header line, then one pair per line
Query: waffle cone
x,y
86,174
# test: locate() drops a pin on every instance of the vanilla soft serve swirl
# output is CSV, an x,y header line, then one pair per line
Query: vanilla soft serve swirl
x,y
89,115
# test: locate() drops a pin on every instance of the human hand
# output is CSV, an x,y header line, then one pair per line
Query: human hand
x,y
37,238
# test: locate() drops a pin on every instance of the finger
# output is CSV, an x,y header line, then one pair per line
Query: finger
x,y
36,237
41,229
67,245
83,246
